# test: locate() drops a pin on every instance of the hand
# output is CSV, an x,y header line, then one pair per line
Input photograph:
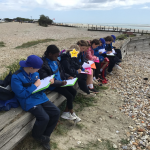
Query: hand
x,y
109,52
63,83
70,78
100,53
52,81
86,71
79,70
37,83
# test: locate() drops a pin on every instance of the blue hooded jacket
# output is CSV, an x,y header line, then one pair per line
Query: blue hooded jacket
x,y
22,85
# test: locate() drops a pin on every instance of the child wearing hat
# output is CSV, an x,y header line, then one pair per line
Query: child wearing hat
x,y
23,83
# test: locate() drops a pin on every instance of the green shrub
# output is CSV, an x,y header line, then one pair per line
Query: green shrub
x,y
45,21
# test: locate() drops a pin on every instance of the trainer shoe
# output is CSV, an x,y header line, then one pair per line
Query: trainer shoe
x,y
110,73
117,67
68,116
93,90
77,118
81,92
46,146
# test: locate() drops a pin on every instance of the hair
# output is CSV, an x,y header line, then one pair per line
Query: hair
x,y
109,38
88,43
53,49
95,41
75,46
82,43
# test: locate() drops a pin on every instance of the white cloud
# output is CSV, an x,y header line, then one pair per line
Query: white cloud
x,y
24,5
146,7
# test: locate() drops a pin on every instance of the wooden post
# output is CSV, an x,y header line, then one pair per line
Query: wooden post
x,y
134,30
92,26
88,26
96,27
138,30
104,28
117,28
100,27
113,28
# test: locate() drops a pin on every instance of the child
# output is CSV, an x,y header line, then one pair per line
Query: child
x,y
52,66
73,66
81,57
108,48
96,46
23,83
90,56
118,51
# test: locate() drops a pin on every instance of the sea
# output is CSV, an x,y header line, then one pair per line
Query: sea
x,y
128,26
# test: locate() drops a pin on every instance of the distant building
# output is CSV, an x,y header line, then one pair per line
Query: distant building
x,y
35,20
2,20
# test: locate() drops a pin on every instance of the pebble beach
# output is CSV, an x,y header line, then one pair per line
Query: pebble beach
x,y
131,84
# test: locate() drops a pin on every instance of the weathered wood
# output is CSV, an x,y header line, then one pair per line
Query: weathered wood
x,y
8,116
20,136
11,130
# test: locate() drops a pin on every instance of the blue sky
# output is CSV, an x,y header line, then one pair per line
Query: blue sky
x,y
80,11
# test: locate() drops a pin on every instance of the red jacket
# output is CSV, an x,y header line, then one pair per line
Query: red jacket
x,y
90,54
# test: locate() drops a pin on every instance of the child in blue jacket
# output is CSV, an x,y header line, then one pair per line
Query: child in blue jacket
x,y
23,83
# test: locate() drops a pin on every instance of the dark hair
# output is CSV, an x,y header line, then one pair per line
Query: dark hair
x,y
109,38
82,43
53,49
95,41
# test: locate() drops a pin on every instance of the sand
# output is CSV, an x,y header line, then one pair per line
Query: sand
x,y
15,34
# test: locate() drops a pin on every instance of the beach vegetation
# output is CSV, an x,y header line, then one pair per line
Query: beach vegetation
x,y
2,44
32,43
124,36
95,145
13,68
45,21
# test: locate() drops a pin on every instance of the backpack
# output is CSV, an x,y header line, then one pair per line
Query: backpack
x,y
7,96
5,90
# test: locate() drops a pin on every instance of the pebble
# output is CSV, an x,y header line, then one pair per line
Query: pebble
x,y
135,94
115,146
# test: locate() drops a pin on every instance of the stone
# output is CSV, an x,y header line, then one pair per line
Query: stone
x,y
115,146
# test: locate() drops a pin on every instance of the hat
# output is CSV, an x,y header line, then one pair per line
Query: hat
x,y
32,61
113,38
102,40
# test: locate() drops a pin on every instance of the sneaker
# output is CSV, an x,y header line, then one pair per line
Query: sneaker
x,y
46,146
77,118
117,67
81,92
93,90
68,116
90,95
42,139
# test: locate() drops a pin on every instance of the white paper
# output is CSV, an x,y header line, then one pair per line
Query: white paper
x,y
101,50
113,51
85,65
91,62
111,54
44,83
70,81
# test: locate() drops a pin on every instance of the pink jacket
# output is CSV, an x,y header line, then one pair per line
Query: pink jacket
x,y
90,54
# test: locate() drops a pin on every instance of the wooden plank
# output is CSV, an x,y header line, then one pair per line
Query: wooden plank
x,y
11,130
20,136
53,96
8,116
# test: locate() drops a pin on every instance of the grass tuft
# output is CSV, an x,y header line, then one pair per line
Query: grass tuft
x,y
2,44
84,102
32,43
13,68
124,141
54,145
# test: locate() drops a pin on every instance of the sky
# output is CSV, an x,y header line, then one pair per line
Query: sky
x,y
80,11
